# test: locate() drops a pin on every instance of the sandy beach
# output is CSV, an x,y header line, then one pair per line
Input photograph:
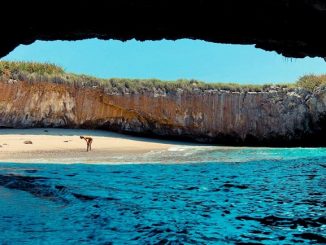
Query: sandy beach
x,y
65,146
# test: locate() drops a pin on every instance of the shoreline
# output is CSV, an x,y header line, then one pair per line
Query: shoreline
x,y
65,146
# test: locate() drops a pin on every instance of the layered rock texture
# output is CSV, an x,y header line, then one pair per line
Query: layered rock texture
x,y
292,28
277,117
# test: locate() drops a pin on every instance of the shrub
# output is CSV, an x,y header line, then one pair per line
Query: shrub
x,y
12,67
310,82
36,72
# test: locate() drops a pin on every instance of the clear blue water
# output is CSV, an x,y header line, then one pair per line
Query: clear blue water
x,y
260,196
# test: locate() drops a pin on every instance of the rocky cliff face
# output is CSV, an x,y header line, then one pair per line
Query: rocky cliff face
x,y
280,117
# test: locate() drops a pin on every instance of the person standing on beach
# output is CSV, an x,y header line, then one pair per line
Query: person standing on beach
x,y
89,141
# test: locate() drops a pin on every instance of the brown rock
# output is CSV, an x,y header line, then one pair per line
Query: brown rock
x,y
276,117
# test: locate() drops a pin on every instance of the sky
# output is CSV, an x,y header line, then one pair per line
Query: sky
x,y
169,60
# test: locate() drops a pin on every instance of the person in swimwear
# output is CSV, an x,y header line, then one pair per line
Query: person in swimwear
x,y
89,141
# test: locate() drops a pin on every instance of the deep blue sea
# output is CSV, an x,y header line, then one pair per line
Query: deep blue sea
x,y
253,196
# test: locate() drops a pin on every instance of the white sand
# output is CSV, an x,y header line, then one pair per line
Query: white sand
x,y
65,146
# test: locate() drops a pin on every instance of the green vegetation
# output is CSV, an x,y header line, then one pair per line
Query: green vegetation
x,y
29,67
36,72
310,82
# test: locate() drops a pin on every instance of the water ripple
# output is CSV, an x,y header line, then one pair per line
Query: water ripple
x,y
256,202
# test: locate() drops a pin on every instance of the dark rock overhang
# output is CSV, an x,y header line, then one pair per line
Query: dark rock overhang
x,y
293,28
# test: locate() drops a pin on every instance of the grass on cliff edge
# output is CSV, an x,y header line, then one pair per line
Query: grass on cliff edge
x,y
35,72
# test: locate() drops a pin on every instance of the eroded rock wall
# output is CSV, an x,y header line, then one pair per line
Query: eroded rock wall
x,y
282,117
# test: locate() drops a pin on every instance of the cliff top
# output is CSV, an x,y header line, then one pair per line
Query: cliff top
x,y
46,72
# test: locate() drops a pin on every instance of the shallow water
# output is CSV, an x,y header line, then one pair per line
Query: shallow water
x,y
267,196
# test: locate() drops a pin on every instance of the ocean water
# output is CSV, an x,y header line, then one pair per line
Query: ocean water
x,y
235,196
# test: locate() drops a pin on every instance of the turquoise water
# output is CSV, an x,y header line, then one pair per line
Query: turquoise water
x,y
254,196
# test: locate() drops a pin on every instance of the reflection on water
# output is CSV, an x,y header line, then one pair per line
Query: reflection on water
x,y
278,199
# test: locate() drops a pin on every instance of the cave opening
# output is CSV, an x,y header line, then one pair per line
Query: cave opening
x,y
169,60
185,89
207,118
